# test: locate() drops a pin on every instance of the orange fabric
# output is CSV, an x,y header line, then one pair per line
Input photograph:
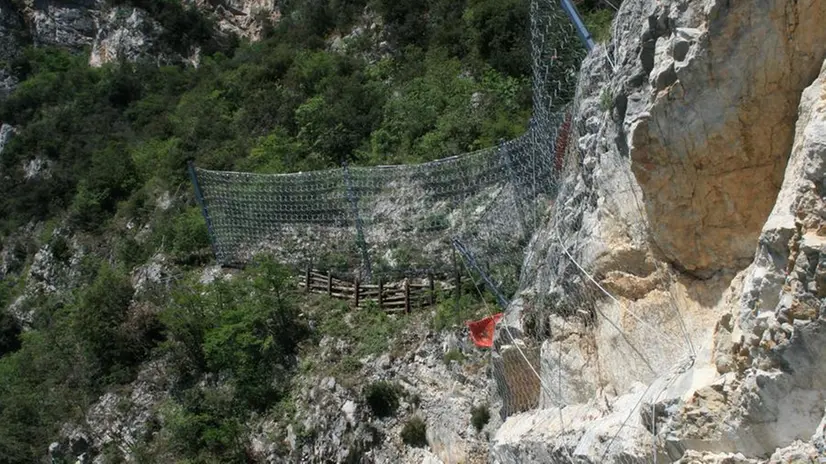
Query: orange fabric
x,y
481,332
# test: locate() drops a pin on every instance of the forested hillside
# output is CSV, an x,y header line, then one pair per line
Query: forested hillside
x,y
94,184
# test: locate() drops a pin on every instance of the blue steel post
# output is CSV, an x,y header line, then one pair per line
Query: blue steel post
x,y
199,197
581,30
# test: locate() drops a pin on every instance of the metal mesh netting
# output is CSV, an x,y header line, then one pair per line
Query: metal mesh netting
x,y
580,372
401,219
550,358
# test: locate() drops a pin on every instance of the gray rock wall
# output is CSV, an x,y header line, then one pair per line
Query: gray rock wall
x,y
661,327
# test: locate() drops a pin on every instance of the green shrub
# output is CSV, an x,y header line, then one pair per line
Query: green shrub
x,y
369,332
452,313
414,432
453,355
203,422
190,235
9,332
60,249
247,329
479,416
383,398
415,400
129,252
606,100
598,23
98,323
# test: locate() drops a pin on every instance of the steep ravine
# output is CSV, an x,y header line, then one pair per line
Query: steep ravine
x,y
698,186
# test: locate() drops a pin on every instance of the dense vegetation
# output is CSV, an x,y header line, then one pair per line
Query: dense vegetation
x,y
452,77
450,82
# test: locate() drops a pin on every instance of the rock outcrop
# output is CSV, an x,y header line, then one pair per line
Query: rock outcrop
x,y
127,33
244,18
660,326
114,31
333,423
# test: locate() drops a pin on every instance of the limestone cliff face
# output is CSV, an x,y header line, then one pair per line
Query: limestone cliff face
x,y
679,282
244,18
114,31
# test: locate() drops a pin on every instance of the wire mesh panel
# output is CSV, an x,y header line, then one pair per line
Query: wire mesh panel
x,y
555,341
296,216
402,219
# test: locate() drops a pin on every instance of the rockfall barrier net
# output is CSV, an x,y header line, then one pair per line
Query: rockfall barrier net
x,y
555,343
403,219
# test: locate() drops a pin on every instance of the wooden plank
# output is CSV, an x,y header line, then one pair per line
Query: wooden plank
x,y
342,288
326,275
368,295
319,280
432,287
341,296
325,279
420,286
398,307
307,279
329,283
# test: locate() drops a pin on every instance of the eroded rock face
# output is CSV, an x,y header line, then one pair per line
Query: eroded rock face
x,y
246,18
114,32
118,418
710,117
11,40
6,133
66,23
776,350
647,271
127,33
334,423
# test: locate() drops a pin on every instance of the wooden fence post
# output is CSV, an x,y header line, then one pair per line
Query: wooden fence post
x,y
307,280
329,283
458,286
432,289
381,292
458,281
358,287
406,295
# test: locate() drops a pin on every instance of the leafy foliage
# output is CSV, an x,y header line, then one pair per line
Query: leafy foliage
x,y
598,23
246,332
244,329
414,432
598,15
95,147
452,313
383,398
369,330
76,348
453,355
9,333
479,416
280,105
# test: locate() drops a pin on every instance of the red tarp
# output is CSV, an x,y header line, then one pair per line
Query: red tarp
x,y
481,332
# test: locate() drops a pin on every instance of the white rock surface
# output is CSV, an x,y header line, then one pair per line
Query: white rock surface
x,y
671,191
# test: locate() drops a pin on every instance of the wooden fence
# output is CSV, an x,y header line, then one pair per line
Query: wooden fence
x,y
402,296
